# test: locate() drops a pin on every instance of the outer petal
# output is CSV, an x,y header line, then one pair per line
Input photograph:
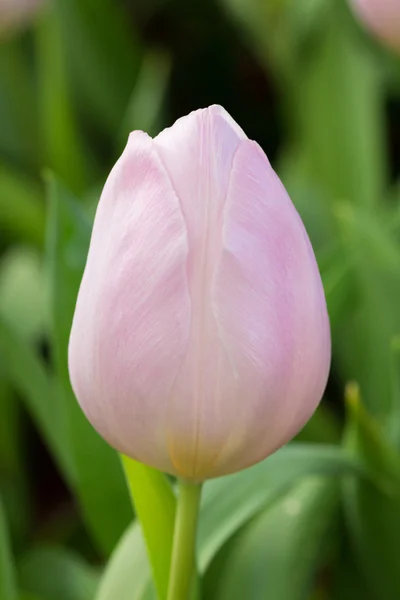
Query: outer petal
x,y
131,324
382,17
271,315
198,153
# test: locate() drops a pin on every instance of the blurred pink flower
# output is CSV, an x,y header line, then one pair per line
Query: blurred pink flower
x,y
15,13
382,17
200,342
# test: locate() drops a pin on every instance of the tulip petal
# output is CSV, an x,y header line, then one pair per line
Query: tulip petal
x,y
131,324
382,17
271,312
198,153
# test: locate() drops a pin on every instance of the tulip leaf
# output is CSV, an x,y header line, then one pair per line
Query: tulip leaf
x,y
155,505
277,29
18,132
228,504
349,582
322,428
145,105
340,99
373,514
362,337
104,53
28,376
21,207
394,417
230,501
12,468
127,575
8,589
287,538
23,292
57,574
62,143
100,486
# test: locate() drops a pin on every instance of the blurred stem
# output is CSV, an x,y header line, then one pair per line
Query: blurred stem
x,y
183,550
394,417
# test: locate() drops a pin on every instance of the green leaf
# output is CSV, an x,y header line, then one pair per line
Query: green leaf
x,y
8,589
62,145
100,484
229,503
373,515
12,468
21,207
338,279
155,505
10,430
56,574
363,334
104,53
348,582
18,132
27,374
322,428
23,292
127,575
285,16
394,416
340,106
147,99
277,555
308,198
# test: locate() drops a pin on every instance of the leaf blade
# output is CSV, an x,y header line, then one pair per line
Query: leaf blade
x,y
155,505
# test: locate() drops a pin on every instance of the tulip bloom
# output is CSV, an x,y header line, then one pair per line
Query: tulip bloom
x,y
382,17
15,13
200,342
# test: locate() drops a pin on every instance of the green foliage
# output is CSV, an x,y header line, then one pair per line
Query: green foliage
x,y
21,207
24,370
62,147
99,484
8,587
228,504
155,505
320,519
286,539
56,574
128,574
374,514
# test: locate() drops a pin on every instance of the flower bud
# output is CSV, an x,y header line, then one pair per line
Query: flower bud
x,y
200,342
382,17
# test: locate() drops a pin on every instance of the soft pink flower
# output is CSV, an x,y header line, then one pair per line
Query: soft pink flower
x,y
15,13
382,17
200,342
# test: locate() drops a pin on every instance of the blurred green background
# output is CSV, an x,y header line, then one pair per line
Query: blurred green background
x,y
321,519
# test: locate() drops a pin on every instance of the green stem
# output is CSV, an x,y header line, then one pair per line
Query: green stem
x,y
183,551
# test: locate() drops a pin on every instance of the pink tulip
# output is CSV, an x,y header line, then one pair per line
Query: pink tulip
x,y
15,13
382,17
200,342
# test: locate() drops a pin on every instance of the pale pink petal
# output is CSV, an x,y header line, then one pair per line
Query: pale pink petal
x,y
271,314
198,153
382,17
132,320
